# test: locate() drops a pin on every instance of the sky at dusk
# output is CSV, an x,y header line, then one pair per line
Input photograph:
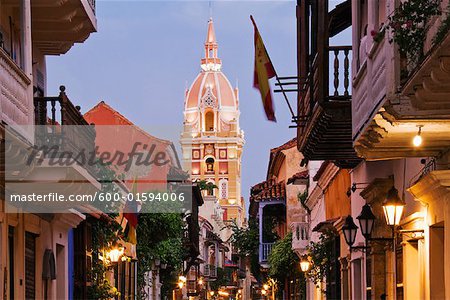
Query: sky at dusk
x,y
145,53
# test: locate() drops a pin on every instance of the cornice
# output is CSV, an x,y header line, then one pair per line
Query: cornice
x,y
433,187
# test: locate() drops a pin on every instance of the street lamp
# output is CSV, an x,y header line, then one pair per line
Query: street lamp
x,y
393,207
305,264
349,229
115,253
366,220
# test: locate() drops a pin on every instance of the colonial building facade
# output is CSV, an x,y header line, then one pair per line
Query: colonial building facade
x,y
377,109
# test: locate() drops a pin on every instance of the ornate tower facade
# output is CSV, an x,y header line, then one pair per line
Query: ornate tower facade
x,y
212,140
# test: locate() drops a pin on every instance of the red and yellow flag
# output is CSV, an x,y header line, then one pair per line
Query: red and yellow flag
x,y
264,70
131,214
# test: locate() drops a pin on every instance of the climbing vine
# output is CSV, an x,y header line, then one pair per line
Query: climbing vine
x,y
104,236
320,253
283,262
106,233
443,28
159,236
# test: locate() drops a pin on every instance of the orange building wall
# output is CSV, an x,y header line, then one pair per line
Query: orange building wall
x,y
116,133
337,203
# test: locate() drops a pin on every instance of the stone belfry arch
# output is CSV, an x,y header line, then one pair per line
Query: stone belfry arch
x,y
212,140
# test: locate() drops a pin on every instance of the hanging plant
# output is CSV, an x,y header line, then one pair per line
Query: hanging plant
x,y
283,262
320,253
409,25
104,235
443,28
106,232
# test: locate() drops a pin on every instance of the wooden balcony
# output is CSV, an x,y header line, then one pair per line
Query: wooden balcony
x,y
60,123
16,94
394,95
57,25
324,112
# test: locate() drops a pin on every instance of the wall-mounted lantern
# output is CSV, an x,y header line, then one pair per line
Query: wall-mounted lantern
x,y
305,264
393,207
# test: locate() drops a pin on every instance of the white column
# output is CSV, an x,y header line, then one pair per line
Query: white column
x,y
27,56
27,46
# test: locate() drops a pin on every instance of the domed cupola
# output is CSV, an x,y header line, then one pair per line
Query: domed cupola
x,y
211,91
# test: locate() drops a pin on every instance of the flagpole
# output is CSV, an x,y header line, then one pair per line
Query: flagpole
x,y
294,118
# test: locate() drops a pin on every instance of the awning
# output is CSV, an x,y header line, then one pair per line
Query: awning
x,y
328,224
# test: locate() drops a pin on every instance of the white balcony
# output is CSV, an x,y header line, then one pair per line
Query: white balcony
x,y
300,236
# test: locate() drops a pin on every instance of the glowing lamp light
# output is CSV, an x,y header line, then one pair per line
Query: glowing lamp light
x,y
305,264
211,293
115,253
200,281
393,207
223,293
232,201
182,278
263,292
417,140
266,287
180,284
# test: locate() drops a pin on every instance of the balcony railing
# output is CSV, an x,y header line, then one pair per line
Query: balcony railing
x,y
317,89
324,106
210,271
432,34
300,238
339,58
65,127
265,249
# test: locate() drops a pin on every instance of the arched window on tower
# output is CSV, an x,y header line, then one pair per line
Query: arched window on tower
x,y
209,165
209,121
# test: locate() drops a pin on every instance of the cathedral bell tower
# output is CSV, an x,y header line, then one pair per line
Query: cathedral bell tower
x,y
212,140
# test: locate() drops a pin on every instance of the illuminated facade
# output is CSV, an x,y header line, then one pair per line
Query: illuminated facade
x,y
212,140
